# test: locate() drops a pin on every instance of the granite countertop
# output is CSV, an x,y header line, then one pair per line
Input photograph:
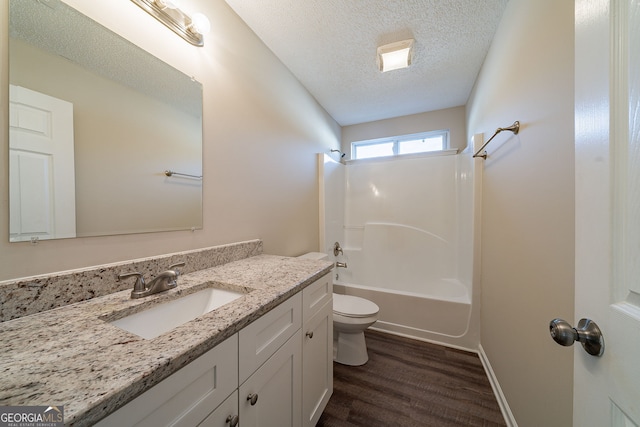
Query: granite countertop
x,y
72,356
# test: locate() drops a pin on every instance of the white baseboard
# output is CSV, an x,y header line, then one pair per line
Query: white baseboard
x,y
502,401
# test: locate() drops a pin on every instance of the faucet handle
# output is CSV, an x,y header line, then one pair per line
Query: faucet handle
x,y
173,267
140,284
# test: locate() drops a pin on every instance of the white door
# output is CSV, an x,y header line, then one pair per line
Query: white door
x,y
607,69
41,166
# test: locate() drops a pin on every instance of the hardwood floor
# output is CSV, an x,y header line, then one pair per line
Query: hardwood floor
x,y
411,383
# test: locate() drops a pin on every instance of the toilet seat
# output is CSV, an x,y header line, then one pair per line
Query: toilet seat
x,y
352,306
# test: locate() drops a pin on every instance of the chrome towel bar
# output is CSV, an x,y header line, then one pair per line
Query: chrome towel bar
x,y
515,128
171,173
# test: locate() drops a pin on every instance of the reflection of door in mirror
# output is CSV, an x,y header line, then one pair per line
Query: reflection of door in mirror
x,y
41,165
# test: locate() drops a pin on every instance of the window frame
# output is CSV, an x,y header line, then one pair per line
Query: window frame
x,y
397,140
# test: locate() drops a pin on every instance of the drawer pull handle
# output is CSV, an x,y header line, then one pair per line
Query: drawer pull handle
x,y
232,420
253,398
309,334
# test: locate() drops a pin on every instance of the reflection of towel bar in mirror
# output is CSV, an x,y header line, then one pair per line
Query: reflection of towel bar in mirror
x,y
515,128
171,173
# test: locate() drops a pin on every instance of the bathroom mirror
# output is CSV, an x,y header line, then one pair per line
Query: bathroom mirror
x,y
95,122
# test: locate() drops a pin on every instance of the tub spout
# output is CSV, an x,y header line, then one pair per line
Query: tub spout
x,y
341,265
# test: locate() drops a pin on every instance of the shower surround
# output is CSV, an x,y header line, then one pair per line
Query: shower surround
x,y
407,230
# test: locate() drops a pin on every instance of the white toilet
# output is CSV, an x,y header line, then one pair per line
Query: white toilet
x,y
351,316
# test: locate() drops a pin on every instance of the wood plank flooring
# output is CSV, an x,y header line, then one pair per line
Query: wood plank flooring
x,y
411,383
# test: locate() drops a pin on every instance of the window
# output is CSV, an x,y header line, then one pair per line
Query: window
x,y
401,145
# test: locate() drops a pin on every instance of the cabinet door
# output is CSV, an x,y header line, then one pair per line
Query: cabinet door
x,y
262,338
186,397
317,364
277,385
316,295
226,415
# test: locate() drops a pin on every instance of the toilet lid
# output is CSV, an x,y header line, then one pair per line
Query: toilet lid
x,y
350,306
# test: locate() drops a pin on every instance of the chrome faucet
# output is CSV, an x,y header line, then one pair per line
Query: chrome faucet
x,y
162,282
341,265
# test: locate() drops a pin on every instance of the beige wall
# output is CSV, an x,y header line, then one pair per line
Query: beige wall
x,y
527,207
261,132
450,118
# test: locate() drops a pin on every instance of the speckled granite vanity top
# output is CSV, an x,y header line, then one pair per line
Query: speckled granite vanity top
x,y
72,356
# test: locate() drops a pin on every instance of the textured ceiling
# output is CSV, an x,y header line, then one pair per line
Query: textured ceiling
x,y
330,46
56,28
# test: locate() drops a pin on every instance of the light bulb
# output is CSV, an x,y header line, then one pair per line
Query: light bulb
x,y
200,23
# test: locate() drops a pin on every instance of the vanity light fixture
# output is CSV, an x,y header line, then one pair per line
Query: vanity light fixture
x,y
191,28
394,56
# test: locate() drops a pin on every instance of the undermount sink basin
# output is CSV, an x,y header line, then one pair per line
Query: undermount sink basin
x,y
164,317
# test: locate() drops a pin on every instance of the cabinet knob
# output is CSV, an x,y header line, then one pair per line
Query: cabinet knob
x,y
232,420
253,398
309,334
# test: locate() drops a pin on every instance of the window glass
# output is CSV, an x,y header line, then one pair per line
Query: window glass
x,y
405,144
374,150
434,143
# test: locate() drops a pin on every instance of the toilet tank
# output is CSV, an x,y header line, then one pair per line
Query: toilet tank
x,y
315,255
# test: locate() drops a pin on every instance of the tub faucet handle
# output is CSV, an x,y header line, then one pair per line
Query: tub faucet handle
x,y
337,249
341,265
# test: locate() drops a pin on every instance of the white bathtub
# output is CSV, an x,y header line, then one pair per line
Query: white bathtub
x,y
443,317
411,275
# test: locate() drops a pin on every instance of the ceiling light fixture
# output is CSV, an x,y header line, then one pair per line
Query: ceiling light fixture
x,y
190,28
394,56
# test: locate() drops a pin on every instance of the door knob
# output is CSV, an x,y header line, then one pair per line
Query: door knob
x,y
587,333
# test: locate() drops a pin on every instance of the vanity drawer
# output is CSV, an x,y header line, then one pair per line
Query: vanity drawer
x,y
262,338
316,295
186,397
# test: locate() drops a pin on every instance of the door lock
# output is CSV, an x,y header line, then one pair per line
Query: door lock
x,y
587,332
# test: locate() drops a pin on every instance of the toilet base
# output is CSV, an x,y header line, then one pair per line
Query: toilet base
x,y
349,348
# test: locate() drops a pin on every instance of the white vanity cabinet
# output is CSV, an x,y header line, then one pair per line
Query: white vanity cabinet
x,y
226,415
186,397
317,349
271,396
292,381
277,371
270,368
